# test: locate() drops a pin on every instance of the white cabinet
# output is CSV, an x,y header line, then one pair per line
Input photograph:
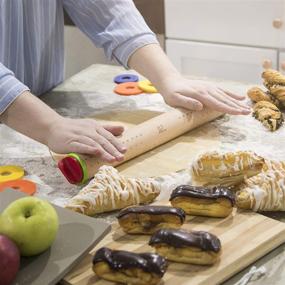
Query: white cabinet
x,y
220,61
246,22
229,39
282,62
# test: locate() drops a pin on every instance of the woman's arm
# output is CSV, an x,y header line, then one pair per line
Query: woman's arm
x,y
178,91
118,27
30,116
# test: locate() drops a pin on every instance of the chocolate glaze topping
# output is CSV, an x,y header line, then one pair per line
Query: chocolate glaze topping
x,y
203,192
181,238
153,210
120,260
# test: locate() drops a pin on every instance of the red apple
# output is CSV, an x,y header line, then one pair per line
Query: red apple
x,y
9,260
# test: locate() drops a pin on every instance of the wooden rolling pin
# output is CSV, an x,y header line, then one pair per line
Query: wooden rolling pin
x,y
143,137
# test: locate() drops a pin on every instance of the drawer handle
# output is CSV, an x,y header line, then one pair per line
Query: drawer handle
x,y
283,65
267,63
277,23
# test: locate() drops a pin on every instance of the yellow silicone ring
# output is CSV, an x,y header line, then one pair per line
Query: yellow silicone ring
x,y
11,172
147,87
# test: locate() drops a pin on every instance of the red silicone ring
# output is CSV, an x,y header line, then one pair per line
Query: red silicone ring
x,y
71,169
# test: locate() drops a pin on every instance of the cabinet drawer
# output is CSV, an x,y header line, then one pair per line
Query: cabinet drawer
x,y
282,62
246,22
220,61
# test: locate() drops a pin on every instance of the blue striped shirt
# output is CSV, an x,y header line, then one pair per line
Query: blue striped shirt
x,y
32,42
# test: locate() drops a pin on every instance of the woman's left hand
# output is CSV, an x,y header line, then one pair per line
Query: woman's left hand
x,y
196,94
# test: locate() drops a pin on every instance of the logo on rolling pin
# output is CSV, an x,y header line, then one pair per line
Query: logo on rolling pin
x,y
161,129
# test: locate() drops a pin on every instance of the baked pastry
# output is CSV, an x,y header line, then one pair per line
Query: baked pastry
x,y
268,114
273,77
196,247
265,191
278,92
256,94
128,267
203,201
148,219
109,191
225,169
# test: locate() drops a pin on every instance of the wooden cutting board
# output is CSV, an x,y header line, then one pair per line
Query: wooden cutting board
x,y
245,237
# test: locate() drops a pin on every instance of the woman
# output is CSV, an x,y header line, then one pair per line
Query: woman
x,y
31,62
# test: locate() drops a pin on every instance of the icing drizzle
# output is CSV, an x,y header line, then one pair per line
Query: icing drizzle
x,y
108,186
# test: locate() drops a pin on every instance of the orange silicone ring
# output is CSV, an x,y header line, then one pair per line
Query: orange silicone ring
x,y
128,89
25,186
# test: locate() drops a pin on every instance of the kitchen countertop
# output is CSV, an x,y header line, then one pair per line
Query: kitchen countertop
x,y
90,92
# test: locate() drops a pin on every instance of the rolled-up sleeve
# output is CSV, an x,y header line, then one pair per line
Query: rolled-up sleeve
x,y
10,88
115,25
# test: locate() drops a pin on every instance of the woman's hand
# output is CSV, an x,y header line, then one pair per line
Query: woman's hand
x,y
86,136
195,94
178,91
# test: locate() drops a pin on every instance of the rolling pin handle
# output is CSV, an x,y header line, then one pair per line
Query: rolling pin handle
x,y
74,169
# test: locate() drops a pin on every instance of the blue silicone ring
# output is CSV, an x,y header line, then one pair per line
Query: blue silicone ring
x,y
122,78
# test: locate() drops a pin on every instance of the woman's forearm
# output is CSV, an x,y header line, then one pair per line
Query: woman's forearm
x,y
179,91
30,116
152,62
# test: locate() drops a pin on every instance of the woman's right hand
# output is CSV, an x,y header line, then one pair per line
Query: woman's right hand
x,y
86,136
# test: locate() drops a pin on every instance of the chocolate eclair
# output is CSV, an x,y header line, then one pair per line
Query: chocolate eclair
x,y
128,267
148,219
196,247
203,201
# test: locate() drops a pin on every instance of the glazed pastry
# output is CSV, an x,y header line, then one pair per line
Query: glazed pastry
x,y
256,94
203,201
196,247
225,169
265,191
268,114
148,219
128,267
109,191
273,77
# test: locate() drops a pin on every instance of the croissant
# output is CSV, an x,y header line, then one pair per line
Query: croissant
x,y
272,77
229,169
109,191
265,191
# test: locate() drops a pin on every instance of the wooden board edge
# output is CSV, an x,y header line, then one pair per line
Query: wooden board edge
x,y
254,256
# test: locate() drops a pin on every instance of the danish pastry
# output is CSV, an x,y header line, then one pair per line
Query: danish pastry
x,y
273,77
129,268
225,169
268,114
203,201
256,94
265,191
278,92
196,247
109,191
148,219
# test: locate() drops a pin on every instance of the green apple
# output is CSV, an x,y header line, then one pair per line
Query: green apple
x,y
31,223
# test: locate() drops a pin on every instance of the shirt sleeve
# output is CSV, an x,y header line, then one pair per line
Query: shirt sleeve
x,y
115,25
10,88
